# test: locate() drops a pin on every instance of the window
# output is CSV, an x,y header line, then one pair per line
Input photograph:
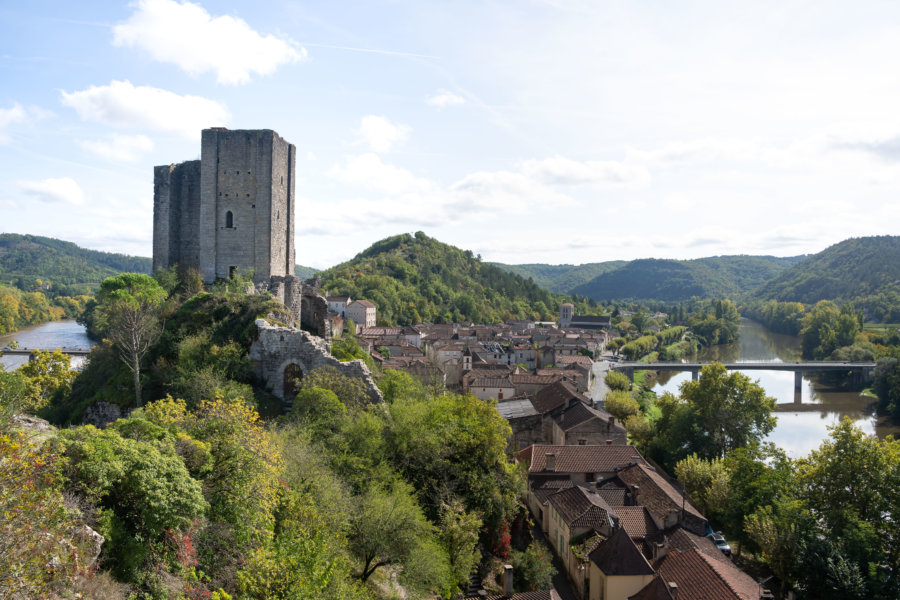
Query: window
x,y
232,271
229,220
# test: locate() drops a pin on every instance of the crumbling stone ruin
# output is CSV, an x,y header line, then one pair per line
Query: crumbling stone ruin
x,y
282,355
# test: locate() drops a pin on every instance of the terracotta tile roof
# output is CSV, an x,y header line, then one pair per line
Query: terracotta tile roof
x,y
580,459
700,577
635,520
543,486
542,595
579,507
578,413
619,556
365,303
556,395
657,589
658,495
577,359
494,382
614,495
534,379
337,298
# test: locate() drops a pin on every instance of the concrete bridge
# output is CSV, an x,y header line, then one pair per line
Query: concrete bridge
x,y
862,371
29,352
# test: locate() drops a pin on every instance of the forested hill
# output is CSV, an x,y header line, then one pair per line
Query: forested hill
x,y
65,266
675,280
413,279
850,269
562,279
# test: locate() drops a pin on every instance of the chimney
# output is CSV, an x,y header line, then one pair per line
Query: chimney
x,y
634,493
673,589
508,580
609,442
550,464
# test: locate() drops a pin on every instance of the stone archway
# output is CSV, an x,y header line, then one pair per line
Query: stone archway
x,y
293,375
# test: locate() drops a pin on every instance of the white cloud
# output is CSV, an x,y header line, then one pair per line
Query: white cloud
x,y
501,192
380,134
187,35
121,104
8,116
62,190
444,98
119,147
560,170
367,171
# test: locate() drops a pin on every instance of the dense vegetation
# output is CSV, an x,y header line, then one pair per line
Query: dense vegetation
x,y
197,497
852,269
676,280
304,272
415,279
562,279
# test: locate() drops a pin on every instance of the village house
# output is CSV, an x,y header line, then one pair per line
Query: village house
x,y
362,312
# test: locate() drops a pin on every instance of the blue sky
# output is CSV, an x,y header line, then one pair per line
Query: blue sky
x,y
527,131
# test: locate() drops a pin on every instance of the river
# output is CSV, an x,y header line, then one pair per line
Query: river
x,y
46,336
801,426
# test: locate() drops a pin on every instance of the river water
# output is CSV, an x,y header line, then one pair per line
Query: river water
x,y
46,336
801,425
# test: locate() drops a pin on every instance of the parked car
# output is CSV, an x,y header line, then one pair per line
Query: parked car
x,y
720,542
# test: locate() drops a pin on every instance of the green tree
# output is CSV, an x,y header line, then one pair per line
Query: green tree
x,y
621,405
825,328
45,374
388,527
616,380
128,314
851,483
706,482
730,411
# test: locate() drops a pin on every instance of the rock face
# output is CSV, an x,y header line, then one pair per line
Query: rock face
x,y
101,414
283,355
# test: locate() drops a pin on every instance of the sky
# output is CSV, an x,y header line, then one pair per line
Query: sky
x,y
550,131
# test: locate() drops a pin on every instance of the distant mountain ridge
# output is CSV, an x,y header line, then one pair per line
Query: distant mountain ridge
x,y
62,264
660,279
562,279
850,269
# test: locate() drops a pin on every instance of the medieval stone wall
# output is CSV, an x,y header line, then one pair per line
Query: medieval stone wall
x,y
277,348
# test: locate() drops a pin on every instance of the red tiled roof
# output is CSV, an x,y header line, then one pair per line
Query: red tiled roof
x,y
635,520
658,495
555,395
365,303
577,359
700,577
578,413
580,459
579,507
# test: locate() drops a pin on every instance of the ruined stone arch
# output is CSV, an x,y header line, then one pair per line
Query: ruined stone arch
x,y
292,376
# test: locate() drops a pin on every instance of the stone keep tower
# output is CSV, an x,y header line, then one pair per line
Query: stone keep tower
x,y
231,211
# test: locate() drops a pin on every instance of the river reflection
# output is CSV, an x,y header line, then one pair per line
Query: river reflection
x,y
46,336
802,421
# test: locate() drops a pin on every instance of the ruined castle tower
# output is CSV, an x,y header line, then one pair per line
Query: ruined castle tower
x,y
231,211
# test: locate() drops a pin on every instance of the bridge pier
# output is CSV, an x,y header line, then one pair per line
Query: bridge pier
x,y
630,373
695,375
798,382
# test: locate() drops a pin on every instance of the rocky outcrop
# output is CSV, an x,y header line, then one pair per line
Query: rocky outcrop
x,y
101,414
282,355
